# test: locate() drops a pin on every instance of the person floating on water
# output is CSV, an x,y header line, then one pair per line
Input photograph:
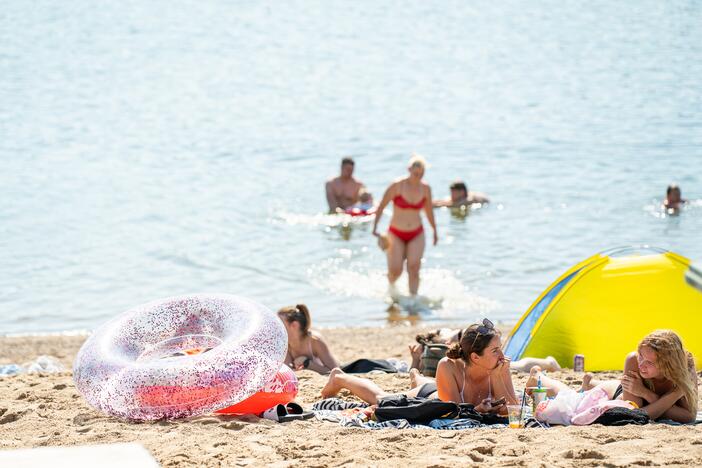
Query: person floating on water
x,y
405,239
460,196
364,206
673,198
343,191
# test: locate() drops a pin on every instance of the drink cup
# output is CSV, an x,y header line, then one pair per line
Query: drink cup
x,y
538,395
515,413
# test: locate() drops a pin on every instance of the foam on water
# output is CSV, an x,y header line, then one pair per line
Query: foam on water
x,y
444,293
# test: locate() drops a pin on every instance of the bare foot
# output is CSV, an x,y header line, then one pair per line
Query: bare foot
x,y
588,382
553,364
414,377
533,379
333,386
416,351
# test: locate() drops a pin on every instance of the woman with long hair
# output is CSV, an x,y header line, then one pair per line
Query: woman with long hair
x,y
659,377
475,372
405,240
306,347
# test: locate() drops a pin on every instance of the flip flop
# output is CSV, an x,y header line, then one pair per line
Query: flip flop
x,y
286,413
296,413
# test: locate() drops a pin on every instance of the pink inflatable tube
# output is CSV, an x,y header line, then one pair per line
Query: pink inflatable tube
x,y
180,357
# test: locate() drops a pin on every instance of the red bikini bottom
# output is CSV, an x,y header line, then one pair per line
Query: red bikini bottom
x,y
406,236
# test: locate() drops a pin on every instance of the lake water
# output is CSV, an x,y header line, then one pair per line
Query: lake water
x,y
159,148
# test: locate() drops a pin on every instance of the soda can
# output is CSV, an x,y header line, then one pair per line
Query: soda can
x,y
579,363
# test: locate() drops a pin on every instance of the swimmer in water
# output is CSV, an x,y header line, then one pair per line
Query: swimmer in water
x,y
364,206
405,240
673,199
460,196
343,191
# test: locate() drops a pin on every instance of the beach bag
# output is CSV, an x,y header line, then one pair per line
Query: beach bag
x,y
414,410
433,353
559,410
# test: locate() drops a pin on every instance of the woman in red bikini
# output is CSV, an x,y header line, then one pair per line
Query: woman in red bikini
x,y
406,233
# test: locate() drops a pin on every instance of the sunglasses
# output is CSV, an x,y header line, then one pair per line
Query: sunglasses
x,y
485,329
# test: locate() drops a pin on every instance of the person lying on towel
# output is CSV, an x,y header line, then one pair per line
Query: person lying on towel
x,y
659,377
474,371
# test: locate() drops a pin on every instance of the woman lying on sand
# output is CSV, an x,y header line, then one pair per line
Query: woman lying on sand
x,y
474,371
659,377
306,348
450,336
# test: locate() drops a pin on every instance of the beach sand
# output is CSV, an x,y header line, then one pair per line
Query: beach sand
x,y
46,410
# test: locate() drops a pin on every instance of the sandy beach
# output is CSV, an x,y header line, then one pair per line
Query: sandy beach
x,y
46,410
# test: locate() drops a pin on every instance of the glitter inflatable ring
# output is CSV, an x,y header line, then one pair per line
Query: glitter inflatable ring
x,y
279,391
180,357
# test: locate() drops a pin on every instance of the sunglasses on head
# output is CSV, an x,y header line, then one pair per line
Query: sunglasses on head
x,y
484,329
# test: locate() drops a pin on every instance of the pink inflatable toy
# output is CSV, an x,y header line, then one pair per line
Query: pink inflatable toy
x,y
180,357
279,391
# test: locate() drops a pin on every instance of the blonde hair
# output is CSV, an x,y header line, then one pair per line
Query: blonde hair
x,y
417,159
674,362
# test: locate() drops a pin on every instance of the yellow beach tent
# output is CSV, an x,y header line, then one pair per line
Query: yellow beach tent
x,y
603,306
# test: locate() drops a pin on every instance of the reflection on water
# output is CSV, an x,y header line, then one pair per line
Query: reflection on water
x,y
396,316
152,151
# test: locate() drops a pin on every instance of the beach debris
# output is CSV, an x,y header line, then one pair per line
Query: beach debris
x,y
43,364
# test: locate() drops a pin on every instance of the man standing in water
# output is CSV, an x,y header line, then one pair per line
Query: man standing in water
x,y
342,191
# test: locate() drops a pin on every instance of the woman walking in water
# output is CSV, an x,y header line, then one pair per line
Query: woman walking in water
x,y
405,239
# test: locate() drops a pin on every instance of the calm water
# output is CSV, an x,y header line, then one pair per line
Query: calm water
x,y
157,148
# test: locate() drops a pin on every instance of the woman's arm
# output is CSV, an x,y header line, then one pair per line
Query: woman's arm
x,y
682,411
387,196
631,365
666,404
429,211
657,405
331,198
321,350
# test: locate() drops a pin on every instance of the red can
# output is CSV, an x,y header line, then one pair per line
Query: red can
x,y
579,363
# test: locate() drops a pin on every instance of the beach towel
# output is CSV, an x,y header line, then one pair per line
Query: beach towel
x,y
363,366
670,422
414,410
354,414
622,417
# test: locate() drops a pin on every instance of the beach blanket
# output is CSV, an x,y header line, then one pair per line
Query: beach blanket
x,y
354,414
362,366
670,422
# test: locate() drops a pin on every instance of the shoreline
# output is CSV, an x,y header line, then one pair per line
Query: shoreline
x,y
46,410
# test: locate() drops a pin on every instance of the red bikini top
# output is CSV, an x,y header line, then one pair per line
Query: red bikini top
x,y
400,202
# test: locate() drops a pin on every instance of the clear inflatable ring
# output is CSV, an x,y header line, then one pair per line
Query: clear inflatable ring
x,y
180,357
